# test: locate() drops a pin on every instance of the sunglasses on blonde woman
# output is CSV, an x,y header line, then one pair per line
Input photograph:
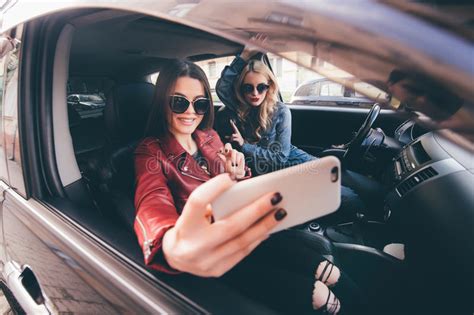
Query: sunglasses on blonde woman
x,y
249,88
179,104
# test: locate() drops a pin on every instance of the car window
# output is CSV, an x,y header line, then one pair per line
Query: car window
x,y
154,77
331,89
213,69
301,86
10,117
3,165
87,96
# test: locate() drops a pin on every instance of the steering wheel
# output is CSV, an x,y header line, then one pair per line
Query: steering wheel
x,y
353,150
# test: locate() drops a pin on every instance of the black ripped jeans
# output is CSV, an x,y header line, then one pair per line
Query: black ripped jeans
x,y
281,274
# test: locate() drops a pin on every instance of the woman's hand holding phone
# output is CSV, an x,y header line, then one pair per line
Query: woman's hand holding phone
x,y
197,246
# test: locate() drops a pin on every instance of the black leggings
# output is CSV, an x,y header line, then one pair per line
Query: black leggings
x,y
281,274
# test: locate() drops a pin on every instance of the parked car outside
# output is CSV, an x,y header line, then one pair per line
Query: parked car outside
x,y
85,101
328,93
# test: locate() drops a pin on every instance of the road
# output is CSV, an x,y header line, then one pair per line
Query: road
x,y
4,306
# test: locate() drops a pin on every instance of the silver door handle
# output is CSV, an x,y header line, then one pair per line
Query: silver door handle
x,y
25,287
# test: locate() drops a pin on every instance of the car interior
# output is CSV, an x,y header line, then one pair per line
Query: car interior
x,y
90,173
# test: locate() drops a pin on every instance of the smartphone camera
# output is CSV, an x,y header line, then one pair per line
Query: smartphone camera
x,y
334,174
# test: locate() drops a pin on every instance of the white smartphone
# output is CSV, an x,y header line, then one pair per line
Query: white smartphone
x,y
310,190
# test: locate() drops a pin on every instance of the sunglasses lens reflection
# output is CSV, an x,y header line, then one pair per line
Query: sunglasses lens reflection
x,y
262,87
179,104
201,106
249,88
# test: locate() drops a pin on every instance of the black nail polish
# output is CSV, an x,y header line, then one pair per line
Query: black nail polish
x,y
280,214
277,197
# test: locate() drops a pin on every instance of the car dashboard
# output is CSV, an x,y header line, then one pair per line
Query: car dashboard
x,y
426,162
431,200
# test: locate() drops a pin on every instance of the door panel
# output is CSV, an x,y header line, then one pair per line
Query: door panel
x,y
73,271
315,128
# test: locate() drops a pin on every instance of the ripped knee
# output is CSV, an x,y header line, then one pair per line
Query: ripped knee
x,y
325,300
327,273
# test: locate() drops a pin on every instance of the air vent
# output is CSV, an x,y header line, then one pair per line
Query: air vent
x,y
415,179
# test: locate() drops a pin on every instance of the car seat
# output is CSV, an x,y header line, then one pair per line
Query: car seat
x,y
125,115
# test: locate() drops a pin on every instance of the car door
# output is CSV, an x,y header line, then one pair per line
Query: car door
x,y
41,277
50,263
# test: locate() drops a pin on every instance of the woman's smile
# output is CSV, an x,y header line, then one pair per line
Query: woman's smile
x,y
187,121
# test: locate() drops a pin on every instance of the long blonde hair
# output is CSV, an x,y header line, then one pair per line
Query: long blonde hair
x,y
256,120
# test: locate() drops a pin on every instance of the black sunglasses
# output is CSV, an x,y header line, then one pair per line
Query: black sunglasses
x,y
248,88
179,104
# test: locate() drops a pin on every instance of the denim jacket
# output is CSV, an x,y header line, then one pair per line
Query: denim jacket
x,y
274,149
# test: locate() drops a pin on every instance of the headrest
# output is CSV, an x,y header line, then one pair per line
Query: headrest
x,y
126,112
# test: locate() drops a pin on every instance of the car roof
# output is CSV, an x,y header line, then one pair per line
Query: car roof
x,y
368,46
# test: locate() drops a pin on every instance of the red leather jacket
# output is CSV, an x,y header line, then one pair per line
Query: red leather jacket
x,y
165,176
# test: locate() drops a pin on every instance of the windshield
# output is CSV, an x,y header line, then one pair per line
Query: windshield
x,y
415,56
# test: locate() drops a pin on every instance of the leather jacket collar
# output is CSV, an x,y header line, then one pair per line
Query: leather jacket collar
x,y
208,144
172,148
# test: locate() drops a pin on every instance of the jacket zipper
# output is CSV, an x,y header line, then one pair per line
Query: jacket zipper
x,y
147,244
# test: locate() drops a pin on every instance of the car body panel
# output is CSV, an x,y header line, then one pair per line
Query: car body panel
x,y
73,269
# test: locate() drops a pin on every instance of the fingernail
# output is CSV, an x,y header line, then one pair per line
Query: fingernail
x,y
277,197
280,214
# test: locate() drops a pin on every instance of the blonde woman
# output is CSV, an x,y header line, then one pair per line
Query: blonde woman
x,y
253,118
255,121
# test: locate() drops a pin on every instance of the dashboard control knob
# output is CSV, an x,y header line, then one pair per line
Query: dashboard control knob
x,y
314,227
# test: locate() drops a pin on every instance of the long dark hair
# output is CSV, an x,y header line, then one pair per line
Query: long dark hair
x,y
160,115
